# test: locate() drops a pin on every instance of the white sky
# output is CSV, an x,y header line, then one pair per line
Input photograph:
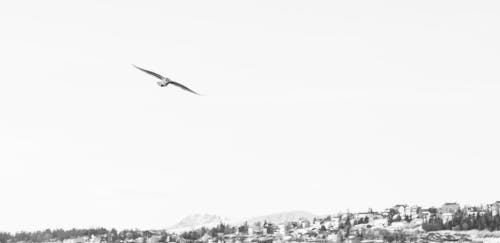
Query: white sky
x,y
312,105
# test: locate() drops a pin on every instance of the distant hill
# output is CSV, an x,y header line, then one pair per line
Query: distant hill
x,y
283,217
197,221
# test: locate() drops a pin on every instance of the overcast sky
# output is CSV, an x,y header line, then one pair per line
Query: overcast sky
x,y
313,105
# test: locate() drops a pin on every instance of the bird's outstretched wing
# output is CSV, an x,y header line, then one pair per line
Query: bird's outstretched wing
x,y
149,72
183,87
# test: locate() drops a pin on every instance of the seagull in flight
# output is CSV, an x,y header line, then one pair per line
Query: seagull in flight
x,y
165,81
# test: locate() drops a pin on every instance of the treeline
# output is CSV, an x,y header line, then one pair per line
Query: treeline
x,y
46,235
60,235
462,221
213,232
225,229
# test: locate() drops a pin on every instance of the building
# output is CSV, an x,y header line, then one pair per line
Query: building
x,y
402,209
425,215
370,215
494,208
446,217
250,230
414,211
386,212
154,239
282,229
450,208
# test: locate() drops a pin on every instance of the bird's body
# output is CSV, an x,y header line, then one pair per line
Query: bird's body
x,y
165,81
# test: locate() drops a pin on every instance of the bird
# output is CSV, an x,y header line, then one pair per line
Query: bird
x,y
165,81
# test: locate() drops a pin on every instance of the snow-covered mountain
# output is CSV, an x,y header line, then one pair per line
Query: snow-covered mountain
x,y
283,217
197,221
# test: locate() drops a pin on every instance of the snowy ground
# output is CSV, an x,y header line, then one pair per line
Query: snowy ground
x,y
476,235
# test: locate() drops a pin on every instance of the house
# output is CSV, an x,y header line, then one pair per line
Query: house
x,y
333,223
386,212
282,229
414,211
494,208
450,208
250,230
363,215
305,223
425,215
205,238
402,209
446,217
154,239
474,211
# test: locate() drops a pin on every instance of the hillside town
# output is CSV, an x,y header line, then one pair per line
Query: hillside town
x,y
401,223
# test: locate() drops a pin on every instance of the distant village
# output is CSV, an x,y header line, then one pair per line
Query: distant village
x,y
401,223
